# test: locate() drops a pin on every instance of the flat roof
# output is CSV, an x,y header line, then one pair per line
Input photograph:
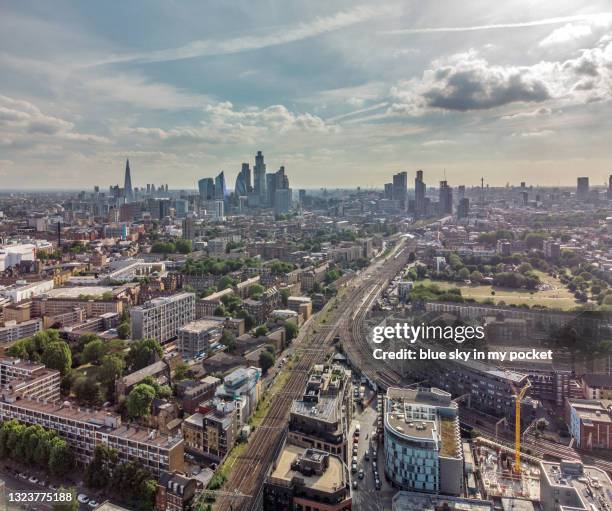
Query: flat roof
x,y
590,483
330,481
201,325
75,292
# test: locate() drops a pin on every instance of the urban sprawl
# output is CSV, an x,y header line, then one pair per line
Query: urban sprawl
x,y
208,349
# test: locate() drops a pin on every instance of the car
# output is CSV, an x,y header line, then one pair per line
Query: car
x,y
52,487
354,468
23,475
355,440
355,451
361,474
354,484
366,456
377,484
93,503
374,453
33,479
374,466
355,459
82,498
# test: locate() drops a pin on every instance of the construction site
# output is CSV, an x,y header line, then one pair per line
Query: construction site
x,y
495,465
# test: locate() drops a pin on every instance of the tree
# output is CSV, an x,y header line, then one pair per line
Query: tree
x,y
99,470
143,353
463,273
124,330
139,400
181,372
61,458
285,293
94,351
57,356
266,360
111,369
225,282
261,331
87,391
255,291
183,246
228,339
476,276
291,330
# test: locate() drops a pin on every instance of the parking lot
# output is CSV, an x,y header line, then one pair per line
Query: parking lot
x,y
366,496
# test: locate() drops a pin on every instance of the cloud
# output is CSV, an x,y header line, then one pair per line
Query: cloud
x,y
542,111
21,122
576,32
439,142
497,26
284,35
467,82
533,134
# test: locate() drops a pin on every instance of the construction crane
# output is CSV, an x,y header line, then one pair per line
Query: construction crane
x,y
518,396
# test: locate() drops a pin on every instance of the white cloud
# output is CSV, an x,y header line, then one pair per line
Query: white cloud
x,y
566,33
438,142
288,34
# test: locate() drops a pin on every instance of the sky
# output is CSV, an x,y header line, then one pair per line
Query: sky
x,y
342,93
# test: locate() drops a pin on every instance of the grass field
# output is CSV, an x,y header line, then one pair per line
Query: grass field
x,y
557,297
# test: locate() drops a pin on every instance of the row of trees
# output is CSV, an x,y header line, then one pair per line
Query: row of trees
x,y
128,482
35,446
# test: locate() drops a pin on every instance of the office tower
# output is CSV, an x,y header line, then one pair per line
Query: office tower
x,y
419,194
240,189
609,194
246,172
524,198
463,209
181,207
302,196
220,188
400,187
206,187
161,318
582,188
422,444
270,189
388,190
445,199
243,181
460,192
259,172
215,209
128,192
282,201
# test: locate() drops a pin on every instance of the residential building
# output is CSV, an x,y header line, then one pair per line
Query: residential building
x,y
197,337
590,422
11,331
161,318
174,492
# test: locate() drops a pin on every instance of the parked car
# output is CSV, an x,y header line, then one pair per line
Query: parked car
x,y
92,504
82,498
361,474
354,484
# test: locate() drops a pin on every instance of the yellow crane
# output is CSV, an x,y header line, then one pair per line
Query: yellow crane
x,y
518,395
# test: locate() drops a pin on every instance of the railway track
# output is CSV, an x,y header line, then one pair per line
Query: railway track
x,y
245,482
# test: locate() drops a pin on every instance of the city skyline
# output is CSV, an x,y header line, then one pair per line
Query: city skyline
x,y
516,93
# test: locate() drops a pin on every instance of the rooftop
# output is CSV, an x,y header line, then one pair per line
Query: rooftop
x,y
331,480
201,325
592,485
